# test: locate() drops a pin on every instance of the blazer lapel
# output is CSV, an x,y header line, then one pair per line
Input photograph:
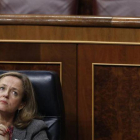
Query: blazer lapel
x,y
19,134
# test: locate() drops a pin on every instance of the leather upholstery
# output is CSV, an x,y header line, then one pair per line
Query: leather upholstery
x,y
48,92
48,7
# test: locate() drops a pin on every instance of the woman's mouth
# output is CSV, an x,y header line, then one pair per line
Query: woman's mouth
x,y
3,102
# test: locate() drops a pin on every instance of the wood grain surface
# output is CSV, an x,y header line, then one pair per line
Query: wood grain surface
x,y
88,54
64,34
57,20
67,20
116,102
31,66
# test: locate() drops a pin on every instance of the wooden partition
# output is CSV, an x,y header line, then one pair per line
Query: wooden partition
x,y
98,60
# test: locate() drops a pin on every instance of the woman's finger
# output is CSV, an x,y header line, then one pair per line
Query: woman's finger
x,y
3,129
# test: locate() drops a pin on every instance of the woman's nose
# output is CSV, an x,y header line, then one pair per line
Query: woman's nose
x,y
5,93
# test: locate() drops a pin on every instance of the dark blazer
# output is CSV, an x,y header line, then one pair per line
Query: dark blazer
x,y
35,131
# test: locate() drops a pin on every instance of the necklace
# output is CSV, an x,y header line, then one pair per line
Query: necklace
x,y
10,131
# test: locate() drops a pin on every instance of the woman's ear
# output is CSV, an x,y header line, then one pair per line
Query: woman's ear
x,y
22,105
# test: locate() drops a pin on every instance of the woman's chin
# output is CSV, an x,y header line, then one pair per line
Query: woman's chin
x,y
3,109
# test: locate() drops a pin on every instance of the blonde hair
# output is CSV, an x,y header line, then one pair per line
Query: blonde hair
x,y
29,112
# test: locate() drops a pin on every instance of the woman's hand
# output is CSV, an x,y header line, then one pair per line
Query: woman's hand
x,y
4,135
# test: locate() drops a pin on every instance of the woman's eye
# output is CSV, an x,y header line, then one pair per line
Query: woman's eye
x,y
15,93
1,88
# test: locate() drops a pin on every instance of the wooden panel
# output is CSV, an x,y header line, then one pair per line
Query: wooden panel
x,y
31,66
41,52
67,54
19,52
68,34
88,54
65,20
116,102
59,20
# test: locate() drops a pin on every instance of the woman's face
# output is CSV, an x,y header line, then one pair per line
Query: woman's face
x,y
11,93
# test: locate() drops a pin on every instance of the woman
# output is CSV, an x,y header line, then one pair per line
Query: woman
x,y
18,109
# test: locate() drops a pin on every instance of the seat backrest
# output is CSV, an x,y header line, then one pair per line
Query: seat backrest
x,y
48,93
